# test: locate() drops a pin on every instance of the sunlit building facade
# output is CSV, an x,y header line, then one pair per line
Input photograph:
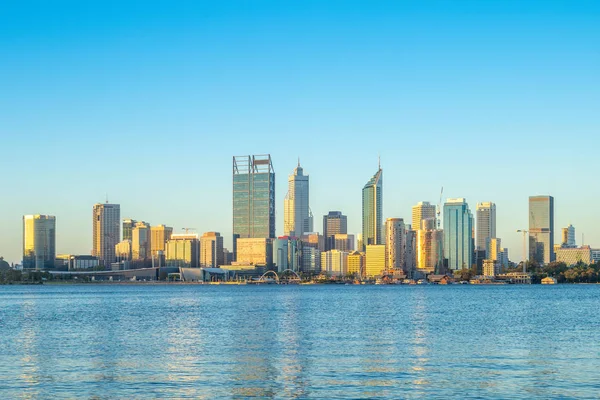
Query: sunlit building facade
x,y
356,263
486,225
159,235
395,244
183,250
297,218
430,247
372,211
334,223
458,234
39,241
375,260
211,250
106,232
140,241
423,210
334,263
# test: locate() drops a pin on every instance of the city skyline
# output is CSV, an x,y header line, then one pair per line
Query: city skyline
x,y
335,85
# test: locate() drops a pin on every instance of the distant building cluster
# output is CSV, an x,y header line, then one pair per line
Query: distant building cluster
x,y
442,239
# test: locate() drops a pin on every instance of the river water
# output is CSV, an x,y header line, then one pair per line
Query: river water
x,y
276,341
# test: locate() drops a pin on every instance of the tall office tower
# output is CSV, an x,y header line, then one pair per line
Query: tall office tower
x,y
183,250
375,260
106,232
211,250
430,247
128,225
141,241
541,229
297,218
568,236
372,210
423,210
159,235
39,241
486,225
333,223
458,232
253,198
395,244
410,252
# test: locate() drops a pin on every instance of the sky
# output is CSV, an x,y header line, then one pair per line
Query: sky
x,y
146,102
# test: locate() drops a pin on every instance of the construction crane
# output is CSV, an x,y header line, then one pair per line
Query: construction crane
x,y
439,208
188,229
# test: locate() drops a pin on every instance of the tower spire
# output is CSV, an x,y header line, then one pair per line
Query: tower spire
x,y
379,161
298,160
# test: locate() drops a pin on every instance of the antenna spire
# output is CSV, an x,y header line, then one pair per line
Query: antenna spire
x,y
379,160
298,161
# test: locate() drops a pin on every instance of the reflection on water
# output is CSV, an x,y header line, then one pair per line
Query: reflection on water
x,y
298,342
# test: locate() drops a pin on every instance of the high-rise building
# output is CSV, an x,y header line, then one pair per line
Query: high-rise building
x,y
423,210
311,260
211,250
39,241
395,244
494,249
372,210
375,260
314,240
183,250
568,236
334,262
410,251
287,253
458,233
128,225
297,218
123,250
159,235
343,242
106,232
486,224
140,241
430,247
253,198
333,223
541,229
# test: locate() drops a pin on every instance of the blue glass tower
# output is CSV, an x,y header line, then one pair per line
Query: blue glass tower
x,y
372,210
458,234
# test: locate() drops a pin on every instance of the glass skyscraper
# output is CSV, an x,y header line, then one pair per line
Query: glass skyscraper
x,y
39,241
458,234
297,218
372,211
253,198
541,229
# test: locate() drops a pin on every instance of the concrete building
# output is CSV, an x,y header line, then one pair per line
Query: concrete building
x,y
430,247
39,241
343,242
297,218
334,263
375,260
140,241
211,250
568,236
159,235
541,229
410,252
106,232
123,250
595,255
311,260
334,223
255,251
356,263
458,232
423,210
314,240
395,244
253,198
372,211
183,250
78,262
486,225
574,255
491,267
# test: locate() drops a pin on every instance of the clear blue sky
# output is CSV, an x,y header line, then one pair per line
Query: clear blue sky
x,y
149,100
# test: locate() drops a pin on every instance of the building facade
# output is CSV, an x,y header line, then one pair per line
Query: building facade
x,y
128,225
39,241
395,244
334,223
343,242
458,234
356,263
430,248
568,236
334,263
423,210
311,260
159,235
141,241
297,218
255,251
287,253
574,255
375,260
541,229
372,211
253,198
106,232
211,250
486,225
183,250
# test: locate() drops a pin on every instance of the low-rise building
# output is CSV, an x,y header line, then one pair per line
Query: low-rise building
x,y
572,256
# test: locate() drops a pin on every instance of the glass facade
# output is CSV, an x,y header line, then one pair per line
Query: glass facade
x,y
253,198
372,211
458,234
39,241
541,229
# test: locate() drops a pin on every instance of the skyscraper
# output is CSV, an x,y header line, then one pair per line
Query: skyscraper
x,y
334,223
541,229
372,210
423,210
141,241
211,250
395,244
128,225
39,241
430,244
253,198
159,235
297,218
568,236
486,225
458,232
106,232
